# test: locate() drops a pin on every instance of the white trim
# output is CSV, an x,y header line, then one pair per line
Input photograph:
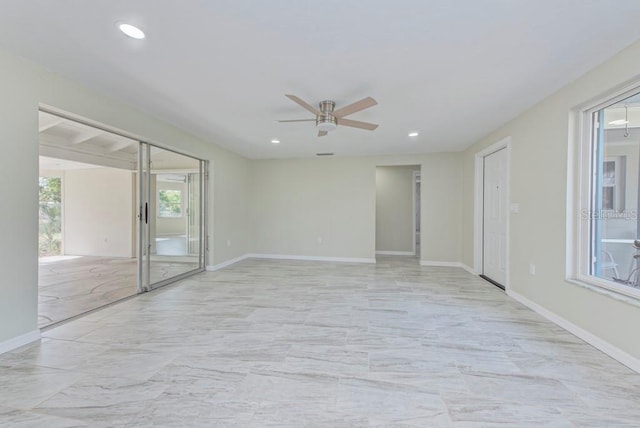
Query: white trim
x,y
478,204
16,342
312,258
614,352
415,175
213,268
440,264
469,269
448,264
399,253
580,147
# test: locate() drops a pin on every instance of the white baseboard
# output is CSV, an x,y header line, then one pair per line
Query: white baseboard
x,y
396,253
312,258
224,264
614,352
448,264
16,342
440,264
469,269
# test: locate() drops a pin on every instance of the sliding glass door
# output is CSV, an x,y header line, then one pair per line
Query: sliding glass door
x,y
172,218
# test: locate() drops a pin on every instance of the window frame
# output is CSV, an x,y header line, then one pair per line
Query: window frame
x,y
182,211
585,164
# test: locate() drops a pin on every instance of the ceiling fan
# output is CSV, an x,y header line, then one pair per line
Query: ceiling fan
x,y
327,118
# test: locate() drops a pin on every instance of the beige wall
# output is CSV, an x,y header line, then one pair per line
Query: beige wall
x,y
542,144
313,207
295,202
23,86
98,215
395,208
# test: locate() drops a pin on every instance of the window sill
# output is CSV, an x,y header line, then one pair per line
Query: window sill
x,y
616,295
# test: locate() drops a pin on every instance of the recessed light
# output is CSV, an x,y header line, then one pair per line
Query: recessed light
x,y
274,141
619,122
131,31
413,134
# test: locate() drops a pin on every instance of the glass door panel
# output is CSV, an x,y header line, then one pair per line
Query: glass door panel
x,y
175,220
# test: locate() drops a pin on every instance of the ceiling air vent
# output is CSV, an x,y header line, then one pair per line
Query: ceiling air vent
x,y
324,154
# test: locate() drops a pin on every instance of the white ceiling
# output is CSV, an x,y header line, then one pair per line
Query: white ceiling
x,y
66,144
452,70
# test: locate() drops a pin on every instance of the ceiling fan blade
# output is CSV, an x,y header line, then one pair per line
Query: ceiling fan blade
x,y
357,124
355,107
322,133
298,120
303,104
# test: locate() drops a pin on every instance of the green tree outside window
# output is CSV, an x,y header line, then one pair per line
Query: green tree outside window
x,y
169,203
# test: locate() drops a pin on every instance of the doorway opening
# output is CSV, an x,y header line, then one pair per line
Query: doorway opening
x,y
491,250
92,221
398,210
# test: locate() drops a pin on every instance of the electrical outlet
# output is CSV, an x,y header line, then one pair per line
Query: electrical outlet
x,y
228,242
532,269
319,239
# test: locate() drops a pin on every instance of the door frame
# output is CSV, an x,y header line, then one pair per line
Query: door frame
x,y
416,174
478,206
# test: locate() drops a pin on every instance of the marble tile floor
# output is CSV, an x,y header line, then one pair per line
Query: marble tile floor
x,y
72,285
293,344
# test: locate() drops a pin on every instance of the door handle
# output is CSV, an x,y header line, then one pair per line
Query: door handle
x,y
146,212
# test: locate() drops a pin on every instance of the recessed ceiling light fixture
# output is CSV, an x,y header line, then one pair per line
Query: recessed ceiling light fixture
x,y
619,122
275,141
413,134
131,31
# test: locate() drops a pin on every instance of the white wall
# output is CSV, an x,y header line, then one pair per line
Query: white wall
x,y
24,85
294,202
395,208
53,173
98,212
542,138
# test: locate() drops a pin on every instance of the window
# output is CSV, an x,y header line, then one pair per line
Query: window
x,y
169,203
610,229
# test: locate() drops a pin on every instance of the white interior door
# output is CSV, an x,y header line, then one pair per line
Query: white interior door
x,y
494,236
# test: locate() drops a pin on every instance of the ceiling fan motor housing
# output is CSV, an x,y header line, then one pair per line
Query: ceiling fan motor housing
x,y
327,106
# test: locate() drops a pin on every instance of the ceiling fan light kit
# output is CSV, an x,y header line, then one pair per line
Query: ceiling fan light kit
x,y
327,118
326,122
